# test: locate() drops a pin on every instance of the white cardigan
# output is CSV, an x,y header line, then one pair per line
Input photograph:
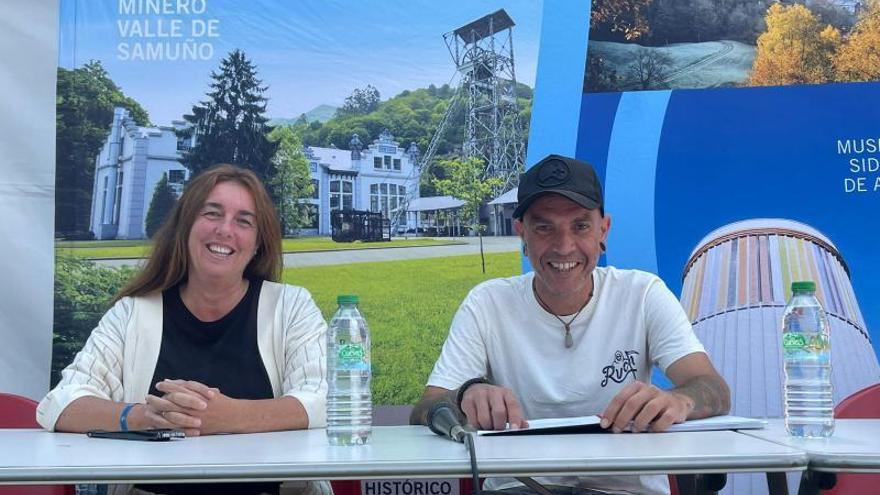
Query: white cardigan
x,y
118,359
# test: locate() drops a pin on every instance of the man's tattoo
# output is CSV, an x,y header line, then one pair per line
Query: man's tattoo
x,y
711,396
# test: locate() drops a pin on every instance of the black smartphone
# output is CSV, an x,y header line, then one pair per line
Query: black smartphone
x,y
154,435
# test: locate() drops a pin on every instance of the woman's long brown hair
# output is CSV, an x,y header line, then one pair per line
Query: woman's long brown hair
x,y
169,259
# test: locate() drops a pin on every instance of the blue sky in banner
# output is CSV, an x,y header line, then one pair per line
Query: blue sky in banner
x,y
725,155
309,52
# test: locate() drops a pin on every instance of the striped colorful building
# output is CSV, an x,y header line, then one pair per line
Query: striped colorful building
x,y
736,284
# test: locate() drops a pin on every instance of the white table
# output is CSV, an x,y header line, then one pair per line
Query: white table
x,y
854,447
34,456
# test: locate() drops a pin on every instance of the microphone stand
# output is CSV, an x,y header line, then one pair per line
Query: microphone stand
x,y
443,421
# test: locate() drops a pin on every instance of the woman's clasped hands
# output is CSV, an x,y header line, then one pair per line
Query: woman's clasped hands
x,y
190,406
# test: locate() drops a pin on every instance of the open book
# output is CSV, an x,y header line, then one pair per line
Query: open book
x,y
590,424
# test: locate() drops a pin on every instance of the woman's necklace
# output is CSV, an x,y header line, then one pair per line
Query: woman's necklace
x,y
569,341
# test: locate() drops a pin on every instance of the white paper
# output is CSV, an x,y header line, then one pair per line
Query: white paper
x,y
590,424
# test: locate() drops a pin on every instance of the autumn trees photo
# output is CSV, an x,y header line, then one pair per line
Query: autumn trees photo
x,y
800,47
672,44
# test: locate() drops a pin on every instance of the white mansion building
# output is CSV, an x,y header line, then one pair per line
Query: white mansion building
x,y
134,158
127,169
378,178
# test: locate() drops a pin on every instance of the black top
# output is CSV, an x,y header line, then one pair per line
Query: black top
x,y
222,354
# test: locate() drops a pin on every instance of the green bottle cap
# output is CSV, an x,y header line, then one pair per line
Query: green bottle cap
x,y
347,299
803,286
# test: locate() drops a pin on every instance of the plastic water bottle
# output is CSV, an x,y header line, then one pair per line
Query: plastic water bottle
x,y
349,401
806,343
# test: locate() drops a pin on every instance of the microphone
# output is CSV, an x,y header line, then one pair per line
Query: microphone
x,y
443,421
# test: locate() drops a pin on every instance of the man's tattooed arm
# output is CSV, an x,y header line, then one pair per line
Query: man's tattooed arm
x,y
709,394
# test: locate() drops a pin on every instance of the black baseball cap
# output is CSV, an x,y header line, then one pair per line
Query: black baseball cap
x,y
574,179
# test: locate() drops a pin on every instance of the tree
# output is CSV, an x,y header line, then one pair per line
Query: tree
x,y
707,19
85,99
599,76
292,181
161,205
671,21
230,126
687,21
464,180
831,13
360,102
650,69
83,291
795,49
859,57
622,16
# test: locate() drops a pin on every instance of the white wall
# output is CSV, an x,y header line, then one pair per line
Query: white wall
x,y
28,60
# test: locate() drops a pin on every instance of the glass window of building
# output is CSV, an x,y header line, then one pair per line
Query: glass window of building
x,y
117,205
397,164
377,162
104,200
387,162
312,211
176,179
176,176
341,194
334,195
316,187
387,198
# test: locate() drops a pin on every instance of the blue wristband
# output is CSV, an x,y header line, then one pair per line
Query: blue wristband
x,y
123,417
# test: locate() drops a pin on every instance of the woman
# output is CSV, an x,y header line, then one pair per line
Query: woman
x,y
204,339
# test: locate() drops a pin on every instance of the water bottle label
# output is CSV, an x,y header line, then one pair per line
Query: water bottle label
x,y
800,346
792,341
352,357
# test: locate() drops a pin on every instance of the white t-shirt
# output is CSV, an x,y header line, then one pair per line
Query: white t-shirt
x,y
633,321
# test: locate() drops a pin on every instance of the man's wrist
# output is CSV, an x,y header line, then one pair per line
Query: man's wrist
x,y
459,396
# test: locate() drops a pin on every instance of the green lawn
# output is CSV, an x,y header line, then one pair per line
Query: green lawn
x,y
140,249
408,306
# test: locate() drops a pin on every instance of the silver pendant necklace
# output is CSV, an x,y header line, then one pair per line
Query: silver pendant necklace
x,y
569,341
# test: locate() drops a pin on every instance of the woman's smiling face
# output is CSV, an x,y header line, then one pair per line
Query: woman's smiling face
x,y
223,238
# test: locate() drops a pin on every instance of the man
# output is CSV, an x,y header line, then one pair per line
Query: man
x,y
571,339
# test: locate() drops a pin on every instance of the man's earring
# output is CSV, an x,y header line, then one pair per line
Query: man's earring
x,y
525,250
602,246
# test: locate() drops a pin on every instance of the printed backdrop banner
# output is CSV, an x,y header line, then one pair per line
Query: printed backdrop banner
x,y
350,97
730,168
738,144
735,164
